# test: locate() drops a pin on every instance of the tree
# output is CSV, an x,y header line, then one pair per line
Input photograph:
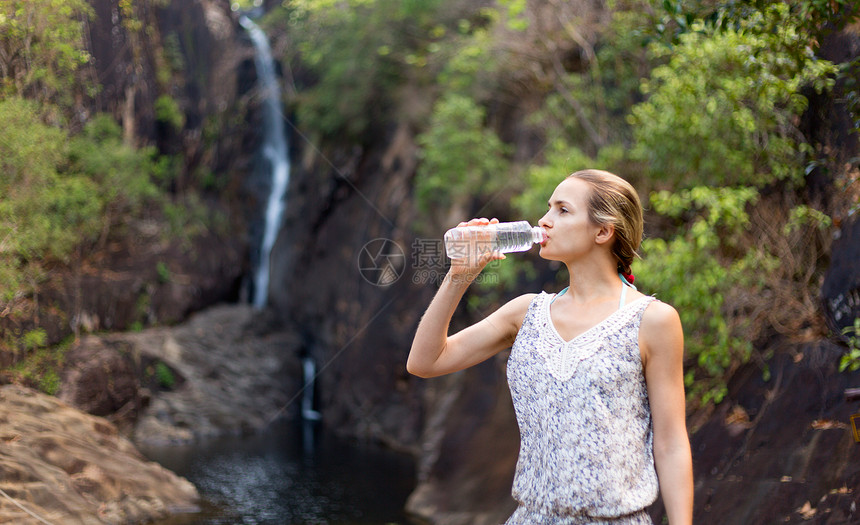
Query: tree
x,y
734,93
42,49
460,158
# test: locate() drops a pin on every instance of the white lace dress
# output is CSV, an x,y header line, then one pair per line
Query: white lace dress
x,y
586,453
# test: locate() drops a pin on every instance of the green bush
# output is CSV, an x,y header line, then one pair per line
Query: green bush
x,y
359,52
851,360
164,375
691,271
163,272
41,366
460,157
735,94
44,50
59,192
123,174
34,339
43,212
168,112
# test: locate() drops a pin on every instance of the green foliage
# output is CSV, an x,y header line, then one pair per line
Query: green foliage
x,y
741,114
41,367
164,375
357,49
129,19
168,112
49,382
515,11
803,215
142,307
690,271
43,212
34,339
59,193
460,157
851,360
163,272
122,174
189,216
467,64
560,160
42,49
237,5
816,17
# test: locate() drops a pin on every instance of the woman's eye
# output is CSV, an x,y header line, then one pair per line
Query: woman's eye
x,y
563,210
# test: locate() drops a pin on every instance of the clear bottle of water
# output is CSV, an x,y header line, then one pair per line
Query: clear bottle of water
x,y
504,237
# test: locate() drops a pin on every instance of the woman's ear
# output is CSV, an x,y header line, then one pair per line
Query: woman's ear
x,y
605,233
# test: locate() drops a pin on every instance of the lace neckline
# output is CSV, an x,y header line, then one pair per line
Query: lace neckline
x,y
563,341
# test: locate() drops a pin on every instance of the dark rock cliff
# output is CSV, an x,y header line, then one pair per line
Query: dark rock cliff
x,y
354,321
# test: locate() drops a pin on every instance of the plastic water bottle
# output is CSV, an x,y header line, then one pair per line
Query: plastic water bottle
x,y
503,237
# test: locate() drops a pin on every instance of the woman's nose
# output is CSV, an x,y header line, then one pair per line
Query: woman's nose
x,y
544,222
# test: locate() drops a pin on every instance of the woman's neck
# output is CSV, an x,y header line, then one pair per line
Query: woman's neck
x,y
591,282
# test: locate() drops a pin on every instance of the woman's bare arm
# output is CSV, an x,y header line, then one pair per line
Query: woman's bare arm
x,y
661,339
433,352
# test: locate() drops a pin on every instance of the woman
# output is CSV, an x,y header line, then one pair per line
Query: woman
x,y
595,371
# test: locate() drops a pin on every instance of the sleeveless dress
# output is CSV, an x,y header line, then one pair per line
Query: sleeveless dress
x,y
586,440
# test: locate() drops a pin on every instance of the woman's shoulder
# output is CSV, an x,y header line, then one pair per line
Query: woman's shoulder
x,y
656,311
659,315
520,303
660,326
515,310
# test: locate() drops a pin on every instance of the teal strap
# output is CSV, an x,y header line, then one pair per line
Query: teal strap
x,y
559,294
623,291
623,296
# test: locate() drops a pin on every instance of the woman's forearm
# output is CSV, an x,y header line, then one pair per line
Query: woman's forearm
x,y
432,333
675,471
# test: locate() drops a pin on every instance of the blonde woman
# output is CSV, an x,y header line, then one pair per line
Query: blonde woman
x,y
595,371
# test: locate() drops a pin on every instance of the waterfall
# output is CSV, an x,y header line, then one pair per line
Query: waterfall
x,y
274,151
309,372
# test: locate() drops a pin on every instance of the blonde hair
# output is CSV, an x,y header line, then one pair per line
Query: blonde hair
x,y
614,201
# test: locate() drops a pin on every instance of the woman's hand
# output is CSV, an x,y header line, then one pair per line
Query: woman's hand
x,y
476,250
433,352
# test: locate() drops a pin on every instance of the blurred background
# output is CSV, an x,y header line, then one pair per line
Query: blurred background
x,y
220,223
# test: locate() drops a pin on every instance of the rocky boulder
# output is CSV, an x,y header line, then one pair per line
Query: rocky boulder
x,y
216,374
101,381
60,465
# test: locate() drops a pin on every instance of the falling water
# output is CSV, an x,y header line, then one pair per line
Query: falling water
x,y
274,151
310,372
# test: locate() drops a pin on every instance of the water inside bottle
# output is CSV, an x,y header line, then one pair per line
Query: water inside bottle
x,y
513,240
469,241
